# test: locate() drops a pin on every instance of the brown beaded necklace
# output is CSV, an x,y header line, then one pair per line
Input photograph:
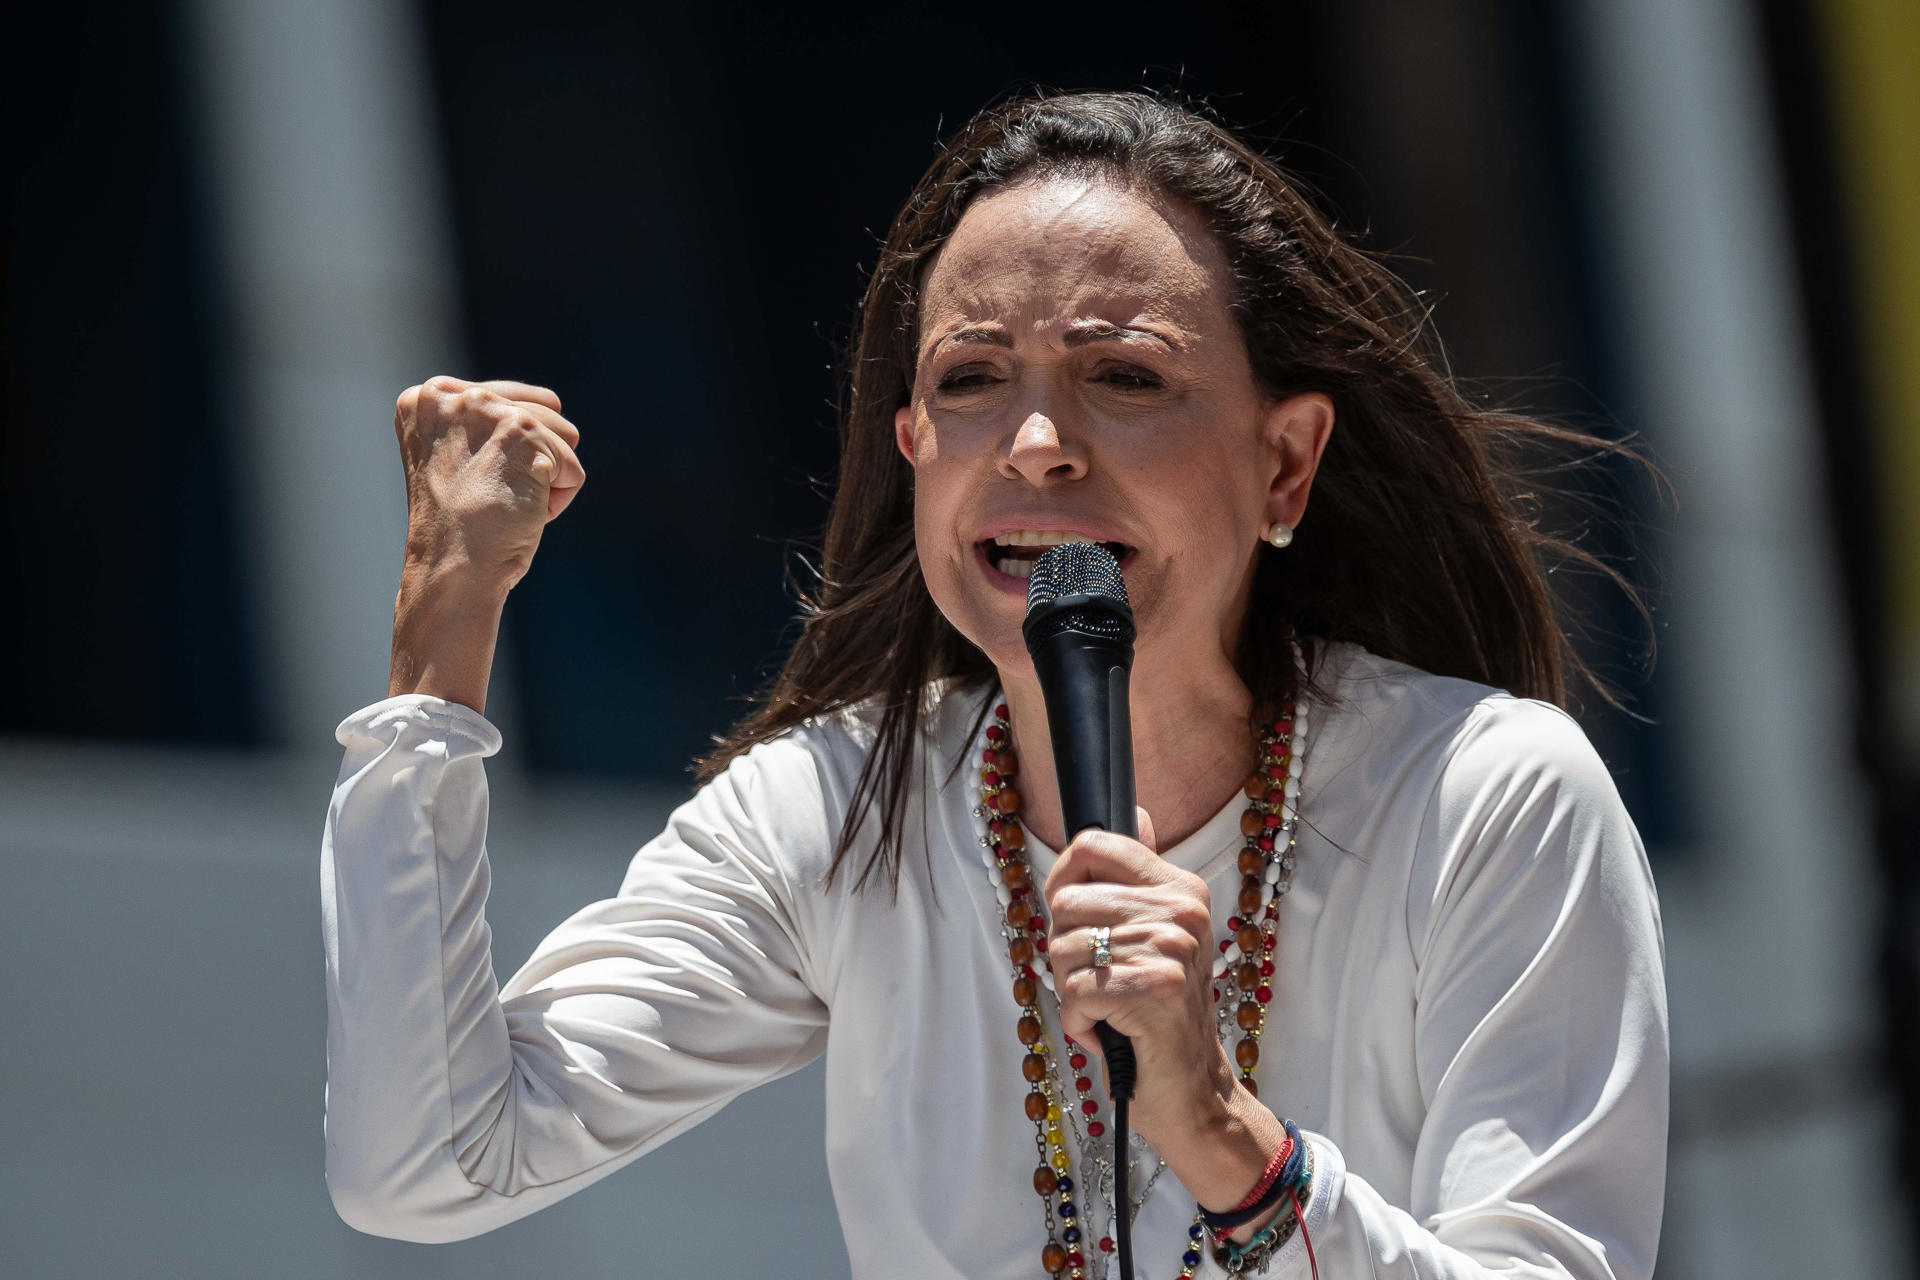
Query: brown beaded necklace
x,y
1243,968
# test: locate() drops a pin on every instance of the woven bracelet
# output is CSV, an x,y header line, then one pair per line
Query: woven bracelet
x,y
1266,1194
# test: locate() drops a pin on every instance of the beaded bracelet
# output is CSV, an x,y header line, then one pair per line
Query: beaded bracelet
x,y
1270,1239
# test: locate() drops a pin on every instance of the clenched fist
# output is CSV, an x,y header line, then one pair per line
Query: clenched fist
x,y
488,464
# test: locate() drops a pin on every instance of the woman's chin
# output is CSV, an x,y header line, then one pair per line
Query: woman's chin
x,y
989,620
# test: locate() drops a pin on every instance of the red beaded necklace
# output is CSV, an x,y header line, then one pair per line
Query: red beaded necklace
x,y
1244,968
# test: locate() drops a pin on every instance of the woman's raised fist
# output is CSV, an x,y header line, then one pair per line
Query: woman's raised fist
x,y
488,464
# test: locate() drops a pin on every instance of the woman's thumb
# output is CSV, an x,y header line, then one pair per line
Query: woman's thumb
x,y
1145,823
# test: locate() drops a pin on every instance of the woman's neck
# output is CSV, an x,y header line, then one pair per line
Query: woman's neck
x,y
1191,748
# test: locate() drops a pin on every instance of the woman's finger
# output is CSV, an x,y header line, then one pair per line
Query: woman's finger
x,y
525,391
550,418
1105,856
553,463
1094,903
569,475
567,472
1089,994
1072,951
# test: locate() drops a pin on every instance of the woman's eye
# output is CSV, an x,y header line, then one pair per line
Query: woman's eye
x,y
969,379
1129,377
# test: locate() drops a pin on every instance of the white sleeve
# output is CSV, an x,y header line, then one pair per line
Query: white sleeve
x,y
453,1108
1540,1030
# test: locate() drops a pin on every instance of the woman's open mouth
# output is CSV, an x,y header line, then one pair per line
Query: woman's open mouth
x,y
1009,557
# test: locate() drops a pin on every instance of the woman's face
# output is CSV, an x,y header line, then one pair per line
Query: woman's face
x,y
1079,375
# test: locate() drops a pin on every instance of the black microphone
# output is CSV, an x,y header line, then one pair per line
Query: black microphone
x,y
1079,630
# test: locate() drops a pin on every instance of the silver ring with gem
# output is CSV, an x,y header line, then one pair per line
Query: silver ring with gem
x,y
1101,943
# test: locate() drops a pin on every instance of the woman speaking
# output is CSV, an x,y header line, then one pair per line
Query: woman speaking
x,y
1387,947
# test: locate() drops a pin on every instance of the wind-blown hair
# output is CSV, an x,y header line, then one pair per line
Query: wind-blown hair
x,y
1422,545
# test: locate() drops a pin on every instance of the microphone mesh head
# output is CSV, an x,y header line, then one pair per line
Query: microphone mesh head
x,y
1075,568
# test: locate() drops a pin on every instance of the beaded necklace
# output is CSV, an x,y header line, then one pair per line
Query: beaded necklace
x,y
1244,966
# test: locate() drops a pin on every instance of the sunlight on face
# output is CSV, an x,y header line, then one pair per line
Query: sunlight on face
x,y
1079,372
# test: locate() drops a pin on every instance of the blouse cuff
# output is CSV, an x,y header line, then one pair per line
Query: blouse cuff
x,y
465,731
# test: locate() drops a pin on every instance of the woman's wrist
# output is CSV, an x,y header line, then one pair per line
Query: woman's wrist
x,y
1225,1152
445,629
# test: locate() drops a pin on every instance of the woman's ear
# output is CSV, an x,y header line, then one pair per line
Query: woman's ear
x,y
1296,429
903,431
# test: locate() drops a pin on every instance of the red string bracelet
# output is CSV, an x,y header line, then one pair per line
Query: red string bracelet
x,y
1272,1171
1279,1161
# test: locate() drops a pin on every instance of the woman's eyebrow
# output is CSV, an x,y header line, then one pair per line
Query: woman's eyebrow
x,y
1082,332
988,335
1078,334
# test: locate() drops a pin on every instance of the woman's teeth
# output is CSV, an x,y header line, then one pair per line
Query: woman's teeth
x,y
1028,538
1014,553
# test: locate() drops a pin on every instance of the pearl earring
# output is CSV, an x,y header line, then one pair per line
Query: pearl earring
x,y
1280,535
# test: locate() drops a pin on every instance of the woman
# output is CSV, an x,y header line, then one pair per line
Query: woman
x,y
1387,947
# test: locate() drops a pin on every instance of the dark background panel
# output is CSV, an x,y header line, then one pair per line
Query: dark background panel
x,y
117,512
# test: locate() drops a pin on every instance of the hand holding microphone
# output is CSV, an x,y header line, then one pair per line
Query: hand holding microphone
x,y
1158,991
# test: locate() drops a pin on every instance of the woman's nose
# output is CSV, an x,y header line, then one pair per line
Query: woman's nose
x,y
1038,455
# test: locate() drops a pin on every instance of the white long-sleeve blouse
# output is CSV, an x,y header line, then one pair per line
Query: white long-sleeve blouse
x,y
1468,1024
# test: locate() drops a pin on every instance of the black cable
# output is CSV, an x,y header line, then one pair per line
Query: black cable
x,y
1121,1074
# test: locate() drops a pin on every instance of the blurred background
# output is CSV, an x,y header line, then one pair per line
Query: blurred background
x,y
234,230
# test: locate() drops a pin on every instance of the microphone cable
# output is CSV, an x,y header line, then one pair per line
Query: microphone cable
x,y
1120,1080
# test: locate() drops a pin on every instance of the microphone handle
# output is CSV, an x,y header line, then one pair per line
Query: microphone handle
x,y
1084,681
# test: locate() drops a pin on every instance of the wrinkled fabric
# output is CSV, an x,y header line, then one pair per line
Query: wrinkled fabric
x,y
1469,1018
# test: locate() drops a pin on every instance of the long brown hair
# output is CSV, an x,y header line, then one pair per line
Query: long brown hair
x,y
1423,546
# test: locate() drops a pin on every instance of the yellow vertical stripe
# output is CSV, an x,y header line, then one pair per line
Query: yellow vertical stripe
x,y
1873,60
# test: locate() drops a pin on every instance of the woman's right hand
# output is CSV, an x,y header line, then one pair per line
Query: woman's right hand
x,y
488,464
